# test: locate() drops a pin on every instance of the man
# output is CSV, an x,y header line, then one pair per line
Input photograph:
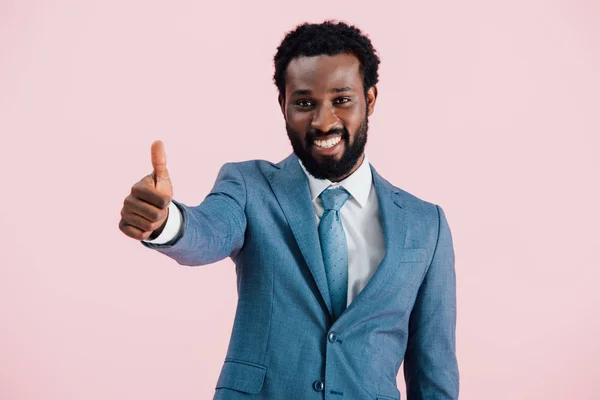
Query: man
x,y
341,276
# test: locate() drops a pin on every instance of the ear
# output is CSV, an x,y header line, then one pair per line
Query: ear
x,y
371,99
281,102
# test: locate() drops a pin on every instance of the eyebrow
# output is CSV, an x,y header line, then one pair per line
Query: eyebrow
x,y
304,92
342,89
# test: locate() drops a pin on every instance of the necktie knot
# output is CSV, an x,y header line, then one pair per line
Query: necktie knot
x,y
333,199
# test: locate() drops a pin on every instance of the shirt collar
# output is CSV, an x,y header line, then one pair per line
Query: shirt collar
x,y
358,184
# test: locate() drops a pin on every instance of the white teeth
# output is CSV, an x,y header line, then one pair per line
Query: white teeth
x,y
326,144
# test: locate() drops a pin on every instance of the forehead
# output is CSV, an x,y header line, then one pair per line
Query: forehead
x,y
320,73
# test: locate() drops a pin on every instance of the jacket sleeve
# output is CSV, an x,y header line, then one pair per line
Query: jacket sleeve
x,y
430,365
214,229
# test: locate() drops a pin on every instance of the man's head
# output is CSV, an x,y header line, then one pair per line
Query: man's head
x,y
326,75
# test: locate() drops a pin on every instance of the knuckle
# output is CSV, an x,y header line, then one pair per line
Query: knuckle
x,y
148,224
161,215
155,216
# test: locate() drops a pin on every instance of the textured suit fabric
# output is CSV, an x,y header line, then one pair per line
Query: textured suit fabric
x,y
284,341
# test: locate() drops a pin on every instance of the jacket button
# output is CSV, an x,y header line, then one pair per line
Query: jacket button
x,y
332,337
319,386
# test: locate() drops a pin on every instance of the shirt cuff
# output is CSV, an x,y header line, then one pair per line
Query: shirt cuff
x,y
172,226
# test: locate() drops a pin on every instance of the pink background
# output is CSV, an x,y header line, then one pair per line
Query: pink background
x,y
490,109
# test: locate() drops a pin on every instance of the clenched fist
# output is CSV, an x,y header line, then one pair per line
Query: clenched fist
x,y
145,210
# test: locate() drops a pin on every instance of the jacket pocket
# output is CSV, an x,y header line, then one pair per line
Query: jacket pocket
x,y
413,255
242,376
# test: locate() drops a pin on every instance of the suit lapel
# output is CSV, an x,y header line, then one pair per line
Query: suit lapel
x,y
290,186
393,221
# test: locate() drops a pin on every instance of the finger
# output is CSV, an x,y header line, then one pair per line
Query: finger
x,y
140,207
144,190
139,221
133,232
159,161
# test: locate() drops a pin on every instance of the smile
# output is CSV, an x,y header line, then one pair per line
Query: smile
x,y
326,144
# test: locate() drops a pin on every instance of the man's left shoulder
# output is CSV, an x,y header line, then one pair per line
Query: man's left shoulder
x,y
414,205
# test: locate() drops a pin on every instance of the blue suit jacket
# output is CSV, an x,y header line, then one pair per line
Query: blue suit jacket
x,y
283,343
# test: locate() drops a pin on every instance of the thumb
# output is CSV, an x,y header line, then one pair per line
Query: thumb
x,y
162,181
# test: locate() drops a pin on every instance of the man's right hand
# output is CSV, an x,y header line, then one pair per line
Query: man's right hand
x,y
145,210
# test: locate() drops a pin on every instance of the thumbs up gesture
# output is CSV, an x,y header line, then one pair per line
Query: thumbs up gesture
x,y
146,209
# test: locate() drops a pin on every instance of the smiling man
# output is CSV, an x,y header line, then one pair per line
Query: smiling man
x,y
341,276
321,140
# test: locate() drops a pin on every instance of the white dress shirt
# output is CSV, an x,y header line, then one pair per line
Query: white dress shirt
x,y
361,222
360,218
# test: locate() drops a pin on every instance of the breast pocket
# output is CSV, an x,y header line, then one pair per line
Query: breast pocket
x,y
241,376
413,255
412,266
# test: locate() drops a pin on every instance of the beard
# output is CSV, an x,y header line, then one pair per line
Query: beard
x,y
330,168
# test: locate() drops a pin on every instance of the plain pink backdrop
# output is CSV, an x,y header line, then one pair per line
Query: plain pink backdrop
x,y
490,109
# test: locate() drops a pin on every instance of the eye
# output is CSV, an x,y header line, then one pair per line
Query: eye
x,y
342,100
304,103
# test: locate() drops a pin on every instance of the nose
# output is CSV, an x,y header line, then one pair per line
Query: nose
x,y
324,119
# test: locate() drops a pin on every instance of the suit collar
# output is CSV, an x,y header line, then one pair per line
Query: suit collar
x,y
358,184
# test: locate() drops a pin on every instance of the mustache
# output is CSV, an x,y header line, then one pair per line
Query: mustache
x,y
314,134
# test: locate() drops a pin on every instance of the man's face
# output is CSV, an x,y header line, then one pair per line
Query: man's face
x,y
326,113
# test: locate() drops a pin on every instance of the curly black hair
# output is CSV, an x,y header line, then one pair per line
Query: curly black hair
x,y
327,38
